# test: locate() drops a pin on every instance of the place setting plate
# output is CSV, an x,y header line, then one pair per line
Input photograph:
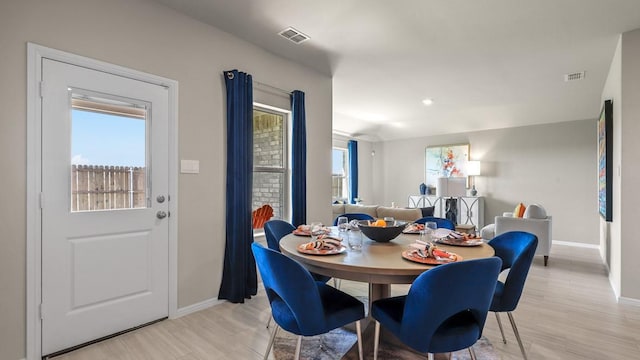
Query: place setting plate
x,y
412,229
412,255
299,232
301,248
464,243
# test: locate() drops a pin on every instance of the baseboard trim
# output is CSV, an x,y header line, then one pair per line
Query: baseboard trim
x,y
576,244
197,307
628,301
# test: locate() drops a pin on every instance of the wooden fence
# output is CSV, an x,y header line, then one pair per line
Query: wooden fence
x,y
96,187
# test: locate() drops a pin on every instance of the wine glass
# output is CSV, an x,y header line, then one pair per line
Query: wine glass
x,y
430,228
343,225
316,229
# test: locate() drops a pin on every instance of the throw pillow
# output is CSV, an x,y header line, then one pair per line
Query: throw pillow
x,y
519,211
535,211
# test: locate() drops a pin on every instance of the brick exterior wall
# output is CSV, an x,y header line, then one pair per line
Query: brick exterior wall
x,y
268,151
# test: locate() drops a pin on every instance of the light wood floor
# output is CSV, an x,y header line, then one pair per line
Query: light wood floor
x,y
568,311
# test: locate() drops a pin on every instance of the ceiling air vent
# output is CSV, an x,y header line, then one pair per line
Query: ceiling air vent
x,y
574,76
293,35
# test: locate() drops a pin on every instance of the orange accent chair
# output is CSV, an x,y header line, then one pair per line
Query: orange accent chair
x,y
261,215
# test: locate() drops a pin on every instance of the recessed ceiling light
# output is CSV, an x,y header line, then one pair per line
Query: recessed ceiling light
x,y
427,102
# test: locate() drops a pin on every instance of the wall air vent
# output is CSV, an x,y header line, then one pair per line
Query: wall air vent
x,y
293,35
574,76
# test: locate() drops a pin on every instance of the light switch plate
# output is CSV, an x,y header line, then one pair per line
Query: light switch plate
x,y
190,166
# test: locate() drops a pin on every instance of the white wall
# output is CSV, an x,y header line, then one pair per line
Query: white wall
x,y
553,165
610,246
146,36
629,150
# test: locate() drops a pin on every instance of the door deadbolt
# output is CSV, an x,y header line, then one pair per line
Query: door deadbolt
x,y
160,199
161,214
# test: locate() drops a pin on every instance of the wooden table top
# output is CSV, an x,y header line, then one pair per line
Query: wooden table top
x,y
378,263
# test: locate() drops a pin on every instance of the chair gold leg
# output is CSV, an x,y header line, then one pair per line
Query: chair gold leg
x,y
504,339
298,348
472,353
336,283
430,356
515,331
359,335
376,341
271,340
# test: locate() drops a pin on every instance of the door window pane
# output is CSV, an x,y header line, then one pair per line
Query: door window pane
x,y
108,154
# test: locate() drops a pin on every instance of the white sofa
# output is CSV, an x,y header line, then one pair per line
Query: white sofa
x,y
535,221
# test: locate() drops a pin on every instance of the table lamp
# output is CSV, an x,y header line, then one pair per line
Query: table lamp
x,y
451,188
473,169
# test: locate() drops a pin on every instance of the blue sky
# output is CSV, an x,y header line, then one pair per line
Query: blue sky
x,y
101,139
338,161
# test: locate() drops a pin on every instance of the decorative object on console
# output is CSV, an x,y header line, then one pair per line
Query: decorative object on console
x,y
452,188
423,189
473,169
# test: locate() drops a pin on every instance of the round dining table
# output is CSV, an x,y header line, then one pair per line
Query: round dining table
x,y
378,264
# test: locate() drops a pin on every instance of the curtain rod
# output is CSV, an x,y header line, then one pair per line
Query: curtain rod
x,y
272,87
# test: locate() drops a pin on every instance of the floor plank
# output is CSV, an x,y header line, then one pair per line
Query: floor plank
x,y
568,311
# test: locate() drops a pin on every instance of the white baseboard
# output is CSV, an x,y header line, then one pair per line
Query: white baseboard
x,y
628,301
197,307
577,244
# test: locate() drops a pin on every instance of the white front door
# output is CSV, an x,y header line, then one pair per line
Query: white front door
x,y
104,204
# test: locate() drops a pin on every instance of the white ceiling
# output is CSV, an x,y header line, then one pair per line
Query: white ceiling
x,y
486,63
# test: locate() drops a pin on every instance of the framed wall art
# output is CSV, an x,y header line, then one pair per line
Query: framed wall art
x,y
605,161
445,161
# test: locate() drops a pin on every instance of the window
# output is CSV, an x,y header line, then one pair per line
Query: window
x,y
108,153
270,161
340,175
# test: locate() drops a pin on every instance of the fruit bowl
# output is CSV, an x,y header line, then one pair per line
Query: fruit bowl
x,y
382,233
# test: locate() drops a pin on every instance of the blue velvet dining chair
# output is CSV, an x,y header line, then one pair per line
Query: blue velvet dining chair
x,y
442,223
301,305
445,309
274,230
516,249
353,216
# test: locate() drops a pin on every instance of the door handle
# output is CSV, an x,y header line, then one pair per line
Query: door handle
x,y
161,214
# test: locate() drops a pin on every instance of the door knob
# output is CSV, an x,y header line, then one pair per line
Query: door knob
x,y
160,199
161,214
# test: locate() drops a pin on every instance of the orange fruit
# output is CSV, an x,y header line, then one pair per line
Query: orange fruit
x,y
380,223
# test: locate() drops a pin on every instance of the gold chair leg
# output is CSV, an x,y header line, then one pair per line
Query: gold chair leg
x,y
504,339
298,348
430,356
359,335
515,331
472,353
376,341
271,340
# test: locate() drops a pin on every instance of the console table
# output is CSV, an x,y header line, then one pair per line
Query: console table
x,y
470,208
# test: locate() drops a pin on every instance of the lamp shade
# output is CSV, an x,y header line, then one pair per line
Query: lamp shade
x,y
473,168
451,187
